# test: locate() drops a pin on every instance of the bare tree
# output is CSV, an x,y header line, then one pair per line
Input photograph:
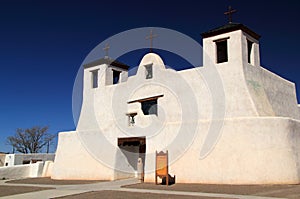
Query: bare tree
x,y
31,140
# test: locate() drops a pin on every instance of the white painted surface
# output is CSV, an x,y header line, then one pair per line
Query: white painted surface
x,y
36,169
22,171
47,170
72,161
258,143
9,160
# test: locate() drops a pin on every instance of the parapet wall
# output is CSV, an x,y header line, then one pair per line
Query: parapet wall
x,y
22,171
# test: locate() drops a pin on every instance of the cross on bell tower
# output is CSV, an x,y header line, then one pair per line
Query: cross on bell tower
x,y
106,49
151,37
229,14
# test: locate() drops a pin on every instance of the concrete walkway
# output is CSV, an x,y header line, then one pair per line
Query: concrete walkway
x,y
64,190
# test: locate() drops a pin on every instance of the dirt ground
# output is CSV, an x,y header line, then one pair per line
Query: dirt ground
x,y
131,195
49,181
12,190
286,191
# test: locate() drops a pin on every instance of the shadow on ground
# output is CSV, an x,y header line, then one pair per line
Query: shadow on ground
x,y
12,190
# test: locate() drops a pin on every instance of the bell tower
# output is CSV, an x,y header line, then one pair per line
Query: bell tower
x,y
231,44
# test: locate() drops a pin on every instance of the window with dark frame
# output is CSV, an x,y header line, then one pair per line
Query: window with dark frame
x,y
116,76
250,46
149,107
222,51
95,79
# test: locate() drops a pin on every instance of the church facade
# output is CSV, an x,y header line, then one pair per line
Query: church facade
x,y
240,126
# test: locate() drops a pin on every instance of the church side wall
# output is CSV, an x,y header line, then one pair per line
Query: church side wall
x,y
250,151
234,97
271,94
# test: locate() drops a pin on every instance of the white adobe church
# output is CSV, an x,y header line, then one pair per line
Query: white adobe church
x,y
126,118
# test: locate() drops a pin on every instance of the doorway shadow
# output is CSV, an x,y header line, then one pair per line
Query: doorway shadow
x,y
129,151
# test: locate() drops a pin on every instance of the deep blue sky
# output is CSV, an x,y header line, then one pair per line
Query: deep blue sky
x,y
43,43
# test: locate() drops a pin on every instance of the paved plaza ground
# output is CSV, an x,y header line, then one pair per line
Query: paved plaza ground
x,y
131,195
49,181
73,189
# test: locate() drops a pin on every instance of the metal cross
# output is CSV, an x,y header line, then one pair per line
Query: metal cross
x,y
106,49
229,14
151,37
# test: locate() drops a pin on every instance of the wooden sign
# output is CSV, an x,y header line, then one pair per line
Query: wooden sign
x,y
161,166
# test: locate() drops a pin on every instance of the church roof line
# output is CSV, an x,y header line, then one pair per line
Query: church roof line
x,y
107,61
229,28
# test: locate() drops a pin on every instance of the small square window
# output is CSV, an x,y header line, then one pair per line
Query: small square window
x,y
149,107
222,54
149,72
131,119
95,79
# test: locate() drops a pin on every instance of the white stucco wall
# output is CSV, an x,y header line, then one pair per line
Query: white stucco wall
x,y
22,171
271,94
72,161
47,170
249,151
257,143
9,160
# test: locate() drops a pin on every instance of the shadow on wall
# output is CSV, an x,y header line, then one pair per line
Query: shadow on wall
x,y
127,160
2,159
294,140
